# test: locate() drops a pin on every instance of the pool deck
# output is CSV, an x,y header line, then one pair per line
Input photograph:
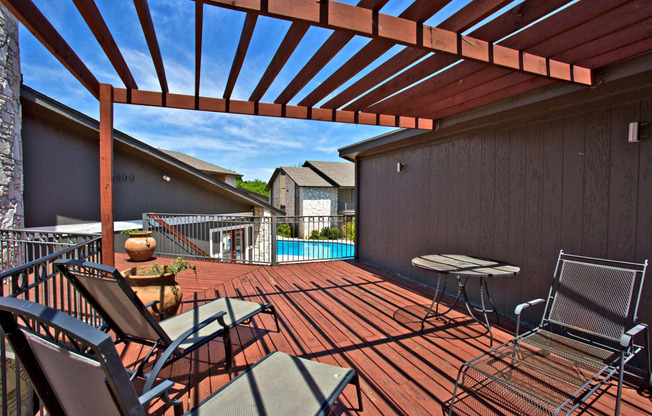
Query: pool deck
x,y
349,314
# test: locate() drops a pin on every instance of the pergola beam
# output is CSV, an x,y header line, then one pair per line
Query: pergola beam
x,y
199,27
365,22
32,18
241,52
145,17
221,105
91,14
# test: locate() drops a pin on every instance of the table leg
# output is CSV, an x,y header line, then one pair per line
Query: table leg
x,y
484,310
436,300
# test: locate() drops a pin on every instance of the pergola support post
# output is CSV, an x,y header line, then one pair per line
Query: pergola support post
x,y
106,173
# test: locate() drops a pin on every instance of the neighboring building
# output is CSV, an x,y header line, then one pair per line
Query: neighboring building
x,y
316,189
516,180
221,174
60,147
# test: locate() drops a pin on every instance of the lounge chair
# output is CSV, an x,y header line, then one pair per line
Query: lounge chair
x,y
582,341
108,292
76,370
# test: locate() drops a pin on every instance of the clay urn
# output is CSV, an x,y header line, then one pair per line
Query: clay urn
x,y
140,245
162,287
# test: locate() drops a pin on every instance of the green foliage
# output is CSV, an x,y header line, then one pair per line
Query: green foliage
x,y
256,185
177,265
127,232
285,230
314,235
327,233
349,231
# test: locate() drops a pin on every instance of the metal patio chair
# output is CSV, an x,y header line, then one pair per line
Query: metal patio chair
x,y
76,370
582,341
108,292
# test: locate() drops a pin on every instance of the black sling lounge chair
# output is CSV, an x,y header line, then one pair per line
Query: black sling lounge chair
x,y
586,336
108,292
76,371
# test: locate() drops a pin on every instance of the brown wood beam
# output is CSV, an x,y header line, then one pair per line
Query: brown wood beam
x,y
106,173
221,105
241,52
335,42
283,53
364,22
199,26
32,18
145,17
91,14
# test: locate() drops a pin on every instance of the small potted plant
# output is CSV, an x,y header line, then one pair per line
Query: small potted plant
x,y
158,282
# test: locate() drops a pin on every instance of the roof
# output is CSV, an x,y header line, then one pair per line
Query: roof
x,y
44,105
339,173
199,164
421,64
306,177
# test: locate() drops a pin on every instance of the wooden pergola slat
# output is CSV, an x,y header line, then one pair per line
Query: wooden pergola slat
x,y
91,14
145,17
335,42
364,22
32,18
221,105
290,42
419,11
199,29
241,52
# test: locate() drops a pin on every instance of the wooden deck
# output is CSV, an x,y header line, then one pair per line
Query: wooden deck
x,y
349,314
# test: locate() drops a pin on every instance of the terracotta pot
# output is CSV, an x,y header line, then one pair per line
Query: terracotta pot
x,y
163,288
140,246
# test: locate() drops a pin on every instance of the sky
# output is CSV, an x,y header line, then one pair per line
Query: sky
x,y
250,145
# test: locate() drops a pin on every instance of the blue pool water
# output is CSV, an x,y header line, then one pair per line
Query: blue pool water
x,y
317,249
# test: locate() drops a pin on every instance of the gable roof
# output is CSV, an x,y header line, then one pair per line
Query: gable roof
x,y
306,177
339,173
199,164
47,107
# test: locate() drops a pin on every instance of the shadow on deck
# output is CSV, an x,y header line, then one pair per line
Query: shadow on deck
x,y
348,314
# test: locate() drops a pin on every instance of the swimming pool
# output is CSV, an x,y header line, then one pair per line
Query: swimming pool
x,y
313,250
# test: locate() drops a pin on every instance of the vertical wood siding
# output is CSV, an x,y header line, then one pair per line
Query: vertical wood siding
x,y
518,193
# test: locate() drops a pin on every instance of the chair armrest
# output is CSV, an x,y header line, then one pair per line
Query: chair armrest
x,y
522,306
159,390
160,363
626,338
153,304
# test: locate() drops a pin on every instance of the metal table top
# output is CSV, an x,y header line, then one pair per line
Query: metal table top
x,y
461,265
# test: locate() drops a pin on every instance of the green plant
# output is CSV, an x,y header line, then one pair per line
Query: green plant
x,y
285,230
127,232
349,231
177,265
333,233
314,235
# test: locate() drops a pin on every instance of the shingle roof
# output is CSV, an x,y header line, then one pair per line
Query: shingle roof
x,y
341,173
305,177
198,163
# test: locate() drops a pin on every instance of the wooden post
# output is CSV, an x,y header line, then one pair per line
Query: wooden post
x,y
106,173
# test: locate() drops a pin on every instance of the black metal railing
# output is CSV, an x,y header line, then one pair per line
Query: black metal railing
x,y
37,281
253,239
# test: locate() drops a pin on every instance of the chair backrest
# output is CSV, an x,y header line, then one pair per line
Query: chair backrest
x,y
595,296
74,368
112,297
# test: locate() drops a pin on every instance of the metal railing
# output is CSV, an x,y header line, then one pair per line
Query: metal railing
x,y
252,240
37,281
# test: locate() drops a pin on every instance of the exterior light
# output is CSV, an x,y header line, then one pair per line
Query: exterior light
x,y
400,167
166,178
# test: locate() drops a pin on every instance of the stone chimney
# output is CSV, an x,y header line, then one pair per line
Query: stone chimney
x,y
11,149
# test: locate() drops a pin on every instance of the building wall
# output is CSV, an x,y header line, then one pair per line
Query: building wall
x,y
318,201
290,202
520,192
11,155
62,181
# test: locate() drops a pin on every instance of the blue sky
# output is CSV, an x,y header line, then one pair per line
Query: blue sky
x,y
251,145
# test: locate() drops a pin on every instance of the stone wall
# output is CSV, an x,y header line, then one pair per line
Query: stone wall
x,y
11,154
316,202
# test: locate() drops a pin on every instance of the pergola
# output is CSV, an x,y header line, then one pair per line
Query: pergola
x,y
441,71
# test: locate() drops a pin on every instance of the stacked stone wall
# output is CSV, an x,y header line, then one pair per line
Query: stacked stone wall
x,y
11,154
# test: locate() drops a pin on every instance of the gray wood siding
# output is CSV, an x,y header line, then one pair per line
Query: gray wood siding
x,y
62,181
518,193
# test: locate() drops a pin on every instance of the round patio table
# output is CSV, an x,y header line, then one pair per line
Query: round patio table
x,y
462,268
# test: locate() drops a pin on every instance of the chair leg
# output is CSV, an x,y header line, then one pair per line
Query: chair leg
x,y
356,382
228,351
620,381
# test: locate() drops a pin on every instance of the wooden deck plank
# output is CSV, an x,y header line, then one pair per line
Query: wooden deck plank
x,y
349,314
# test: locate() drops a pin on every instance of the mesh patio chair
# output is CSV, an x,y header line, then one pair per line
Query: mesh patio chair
x,y
580,344
108,292
76,370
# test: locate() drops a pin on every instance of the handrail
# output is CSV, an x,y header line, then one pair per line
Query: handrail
x,y
177,234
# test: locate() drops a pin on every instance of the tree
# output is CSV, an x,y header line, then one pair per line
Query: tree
x,y
256,185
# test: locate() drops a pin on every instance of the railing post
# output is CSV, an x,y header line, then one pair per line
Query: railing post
x,y
273,241
145,221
